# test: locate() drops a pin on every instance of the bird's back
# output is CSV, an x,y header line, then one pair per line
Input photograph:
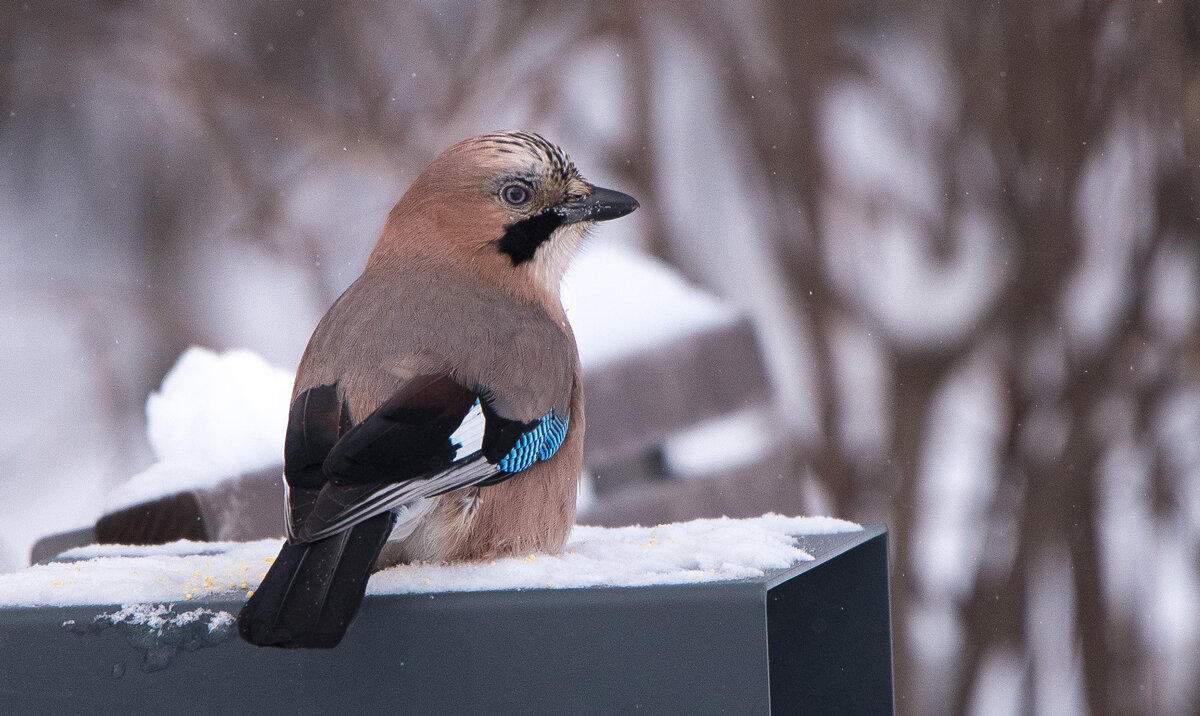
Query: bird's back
x,y
395,324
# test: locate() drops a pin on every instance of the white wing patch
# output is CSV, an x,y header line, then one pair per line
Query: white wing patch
x,y
469,435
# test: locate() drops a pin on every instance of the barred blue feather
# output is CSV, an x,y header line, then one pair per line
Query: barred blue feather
x,y
537,444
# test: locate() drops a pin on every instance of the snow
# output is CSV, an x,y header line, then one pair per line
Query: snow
x,y
218,416
706,550
862,386
621,303
1000,685
160,617
1056,661
215,417
160,631
721,220
1173,301
1114,210
886,190
959,479
724,443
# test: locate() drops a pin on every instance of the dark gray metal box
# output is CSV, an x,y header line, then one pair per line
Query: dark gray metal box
x,y
811,639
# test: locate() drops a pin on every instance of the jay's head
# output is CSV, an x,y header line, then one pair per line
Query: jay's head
x,y
508,202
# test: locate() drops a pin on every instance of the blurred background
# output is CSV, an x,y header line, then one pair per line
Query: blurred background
x,y
966,234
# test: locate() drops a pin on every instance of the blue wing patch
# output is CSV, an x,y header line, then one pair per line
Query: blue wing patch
x,y
538,444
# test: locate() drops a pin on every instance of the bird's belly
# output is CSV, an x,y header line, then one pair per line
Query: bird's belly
x,y
439,524
523,515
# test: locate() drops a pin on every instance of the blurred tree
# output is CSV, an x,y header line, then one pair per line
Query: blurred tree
x,y
1064,132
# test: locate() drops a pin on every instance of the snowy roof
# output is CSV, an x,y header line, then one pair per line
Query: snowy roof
x,y
620,302
706,550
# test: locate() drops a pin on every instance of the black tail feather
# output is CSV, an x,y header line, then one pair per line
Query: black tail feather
x,y
313,591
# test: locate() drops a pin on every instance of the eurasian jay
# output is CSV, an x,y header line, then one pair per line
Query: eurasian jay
x,y
437,413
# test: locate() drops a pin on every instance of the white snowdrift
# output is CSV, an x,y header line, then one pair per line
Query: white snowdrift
x,y
688,552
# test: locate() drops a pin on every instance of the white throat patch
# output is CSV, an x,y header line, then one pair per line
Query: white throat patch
x,y
550,261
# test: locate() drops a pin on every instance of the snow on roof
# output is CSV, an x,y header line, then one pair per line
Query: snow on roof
x,y
215,416
706,550
620,302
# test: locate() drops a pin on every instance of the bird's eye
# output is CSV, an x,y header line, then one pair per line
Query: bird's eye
x,y
515,194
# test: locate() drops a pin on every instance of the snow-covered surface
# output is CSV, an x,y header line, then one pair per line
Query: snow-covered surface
x,y
687,552
218,416
620,302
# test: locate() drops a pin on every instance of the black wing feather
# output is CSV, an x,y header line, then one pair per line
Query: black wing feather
x,y
344,484
407,437
315,423
502,434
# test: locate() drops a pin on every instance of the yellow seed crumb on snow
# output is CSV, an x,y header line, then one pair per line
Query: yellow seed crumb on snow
x,y
712,571
208,582
549,584
208,564
269,560
249,593
196,573
243,584
158,579
530,558
187,595
425,581
246,568
58,582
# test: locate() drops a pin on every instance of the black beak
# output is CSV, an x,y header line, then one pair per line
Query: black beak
x,y
601,205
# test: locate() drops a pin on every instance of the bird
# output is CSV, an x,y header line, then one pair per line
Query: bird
x,y
437,413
